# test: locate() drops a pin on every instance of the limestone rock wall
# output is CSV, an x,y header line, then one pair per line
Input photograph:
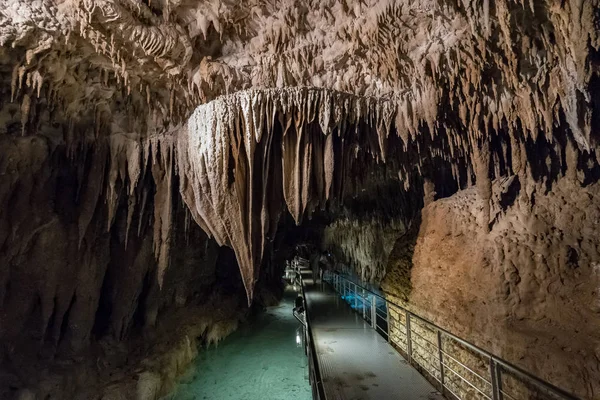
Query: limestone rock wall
x,y
227,95
364,246
520,281
528,290
76,295
114,114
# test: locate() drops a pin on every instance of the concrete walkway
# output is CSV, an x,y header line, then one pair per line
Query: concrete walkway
x,y
357,363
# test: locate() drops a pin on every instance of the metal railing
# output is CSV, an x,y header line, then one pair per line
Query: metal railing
x,y
460,369
314,373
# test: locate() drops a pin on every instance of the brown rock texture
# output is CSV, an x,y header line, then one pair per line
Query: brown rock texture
x,y
528,290
466,83
523,284
365,245
135,132
82,312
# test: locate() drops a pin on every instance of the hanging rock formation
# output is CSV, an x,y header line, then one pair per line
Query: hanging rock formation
x,y
130,118
463,74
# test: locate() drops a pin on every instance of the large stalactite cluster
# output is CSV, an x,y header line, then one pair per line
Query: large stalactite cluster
x,y
244,110
238,155
448,79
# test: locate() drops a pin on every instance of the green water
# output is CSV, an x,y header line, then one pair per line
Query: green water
x,y
261,361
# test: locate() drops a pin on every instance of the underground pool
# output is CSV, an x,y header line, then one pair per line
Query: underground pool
x,y
261,361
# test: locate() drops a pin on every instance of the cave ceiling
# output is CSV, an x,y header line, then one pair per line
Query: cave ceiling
x,y
242,107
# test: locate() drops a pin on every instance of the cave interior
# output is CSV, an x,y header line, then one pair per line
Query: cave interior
x,y
161,160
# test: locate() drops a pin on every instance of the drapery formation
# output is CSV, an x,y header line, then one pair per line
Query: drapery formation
x,y
244,158
124,120
239,156
248,106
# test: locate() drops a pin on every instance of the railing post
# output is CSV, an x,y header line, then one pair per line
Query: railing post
x,y
346,290
374,312
355,298
364,311
387,321
408,341
496,380
440,358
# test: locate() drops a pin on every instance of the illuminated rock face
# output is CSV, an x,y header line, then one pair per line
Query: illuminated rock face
x,y
527,290
468,83
131,118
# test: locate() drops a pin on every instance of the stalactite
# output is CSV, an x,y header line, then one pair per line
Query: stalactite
x,y
162,172
217,164
425,70
25,109
483,181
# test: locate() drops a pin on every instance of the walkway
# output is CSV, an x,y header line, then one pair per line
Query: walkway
x,y
357,363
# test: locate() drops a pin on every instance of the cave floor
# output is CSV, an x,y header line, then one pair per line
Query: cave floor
x,y
260,361
356,362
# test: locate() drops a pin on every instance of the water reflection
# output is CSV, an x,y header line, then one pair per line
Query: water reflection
x,y
259,362
299,337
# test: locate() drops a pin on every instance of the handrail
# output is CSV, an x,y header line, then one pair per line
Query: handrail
x,y
496,364
317,383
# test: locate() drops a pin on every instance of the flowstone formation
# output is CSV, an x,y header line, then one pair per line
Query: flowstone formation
x,y
154,113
